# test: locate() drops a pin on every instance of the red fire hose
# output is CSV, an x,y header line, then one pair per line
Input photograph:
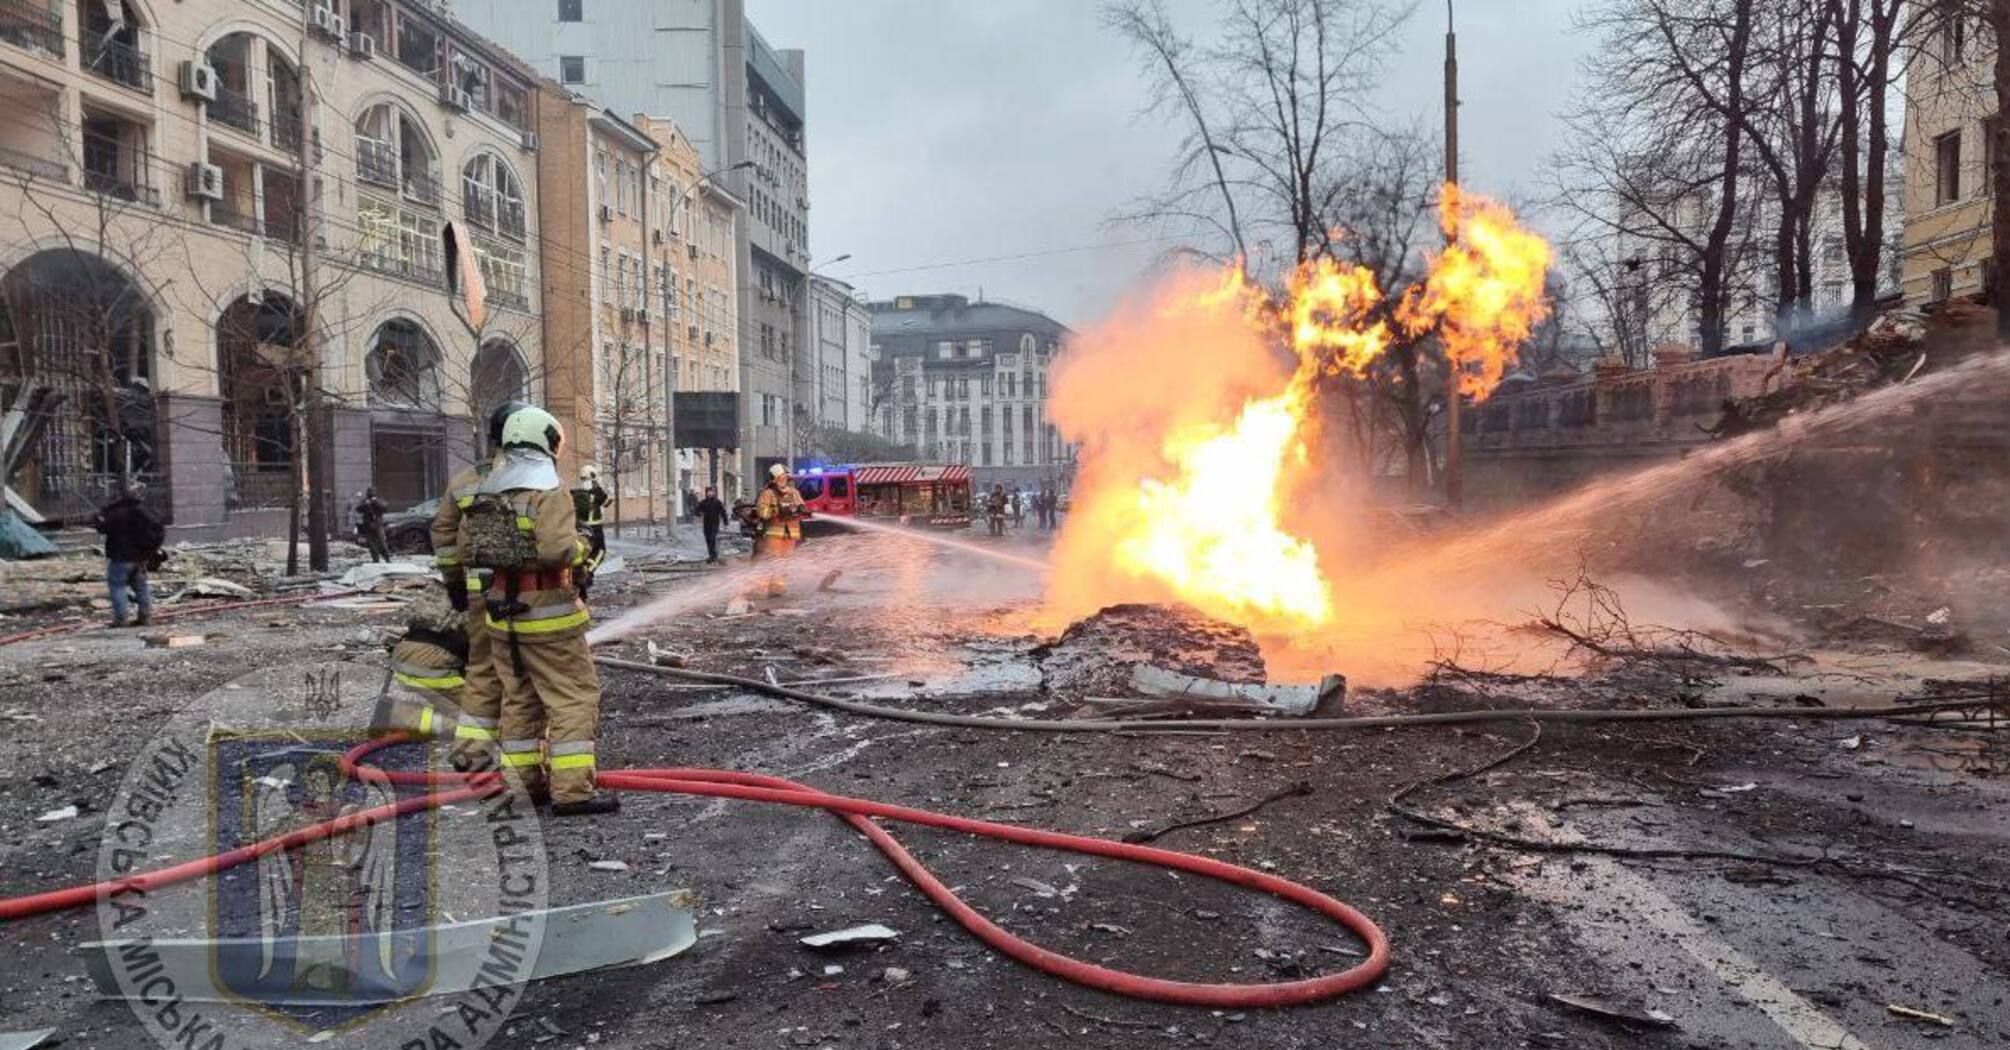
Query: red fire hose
x,y
854,811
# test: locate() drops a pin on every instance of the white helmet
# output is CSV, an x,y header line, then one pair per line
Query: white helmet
x,y
778,471
587,472
533,427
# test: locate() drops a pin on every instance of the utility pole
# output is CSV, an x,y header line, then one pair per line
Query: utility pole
x,y
1454,480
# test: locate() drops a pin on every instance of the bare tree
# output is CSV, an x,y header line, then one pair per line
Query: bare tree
x,y
1659,140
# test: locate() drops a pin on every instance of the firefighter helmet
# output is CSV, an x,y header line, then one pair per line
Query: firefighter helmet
x,y
778,471
499,416
533,427
589,473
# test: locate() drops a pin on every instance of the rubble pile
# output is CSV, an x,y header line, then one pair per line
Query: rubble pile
x,y
1096,655
1892,349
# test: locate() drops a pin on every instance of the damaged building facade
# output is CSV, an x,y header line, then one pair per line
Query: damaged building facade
x,y
224,252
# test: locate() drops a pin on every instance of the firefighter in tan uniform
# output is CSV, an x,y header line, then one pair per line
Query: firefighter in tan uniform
x,y
481,697
422,697
779,513
521,524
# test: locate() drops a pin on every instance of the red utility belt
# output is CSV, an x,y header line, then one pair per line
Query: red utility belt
x,y
528,580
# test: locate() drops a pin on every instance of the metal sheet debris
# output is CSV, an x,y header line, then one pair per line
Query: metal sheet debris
x,y
24,1040
1152,680
871,933
385,574
630,931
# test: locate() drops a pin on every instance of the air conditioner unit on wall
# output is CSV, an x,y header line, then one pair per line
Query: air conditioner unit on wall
x,y
363,46
530,142
607,213
656,238
199,80
691,249
325,21
205,181
456,98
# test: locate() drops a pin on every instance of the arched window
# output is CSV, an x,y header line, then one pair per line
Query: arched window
x,y
499,375
491,196
404,367
392,152
77,345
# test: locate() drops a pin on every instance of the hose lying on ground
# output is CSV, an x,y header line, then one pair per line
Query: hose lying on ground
x,y
1279,725
854,811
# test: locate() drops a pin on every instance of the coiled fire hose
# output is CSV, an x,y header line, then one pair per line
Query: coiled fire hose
x,y
755,787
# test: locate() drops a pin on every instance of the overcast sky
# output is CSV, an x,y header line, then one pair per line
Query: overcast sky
x,y
942,131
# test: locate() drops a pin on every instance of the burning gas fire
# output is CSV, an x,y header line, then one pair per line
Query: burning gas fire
x,y
1197,427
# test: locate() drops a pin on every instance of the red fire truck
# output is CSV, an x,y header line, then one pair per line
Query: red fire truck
x,y
930,495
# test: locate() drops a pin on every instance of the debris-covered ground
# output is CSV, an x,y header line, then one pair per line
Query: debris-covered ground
x,y
1711,884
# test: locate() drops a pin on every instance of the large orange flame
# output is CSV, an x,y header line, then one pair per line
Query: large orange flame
x,y
1197,425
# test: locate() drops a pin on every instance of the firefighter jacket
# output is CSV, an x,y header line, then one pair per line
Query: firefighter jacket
x,y
542,603
780,508
446,529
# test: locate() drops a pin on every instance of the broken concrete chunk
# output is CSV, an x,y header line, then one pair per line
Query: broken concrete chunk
x,y
739,607
1155,681
608,865
68,812
871,933
212,587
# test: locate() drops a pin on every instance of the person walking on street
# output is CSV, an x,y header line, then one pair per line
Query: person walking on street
x,y
133,539
1018,508
370,524
711,514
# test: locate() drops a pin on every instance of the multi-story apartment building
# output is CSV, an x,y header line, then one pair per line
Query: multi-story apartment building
x,y
966,382
698,283
838,385
1949,152
703,66
638,280
244,201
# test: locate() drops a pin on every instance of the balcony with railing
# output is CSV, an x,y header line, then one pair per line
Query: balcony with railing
x,y
32,24
118,61
287,129
422,188
478,207
234,109
377,162
29,163
236,213
131,179
510,220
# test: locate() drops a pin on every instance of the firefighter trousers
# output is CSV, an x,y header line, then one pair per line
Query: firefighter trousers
x,y
481,698
555,699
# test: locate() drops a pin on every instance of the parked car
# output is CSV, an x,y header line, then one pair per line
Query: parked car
x,y
411,530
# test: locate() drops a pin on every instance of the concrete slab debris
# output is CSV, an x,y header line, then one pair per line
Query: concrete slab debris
x,y
871,933
631,931
176,641
1155,681
68,812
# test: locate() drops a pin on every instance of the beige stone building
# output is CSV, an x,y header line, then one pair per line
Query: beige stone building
x,y
638,280
210,208
699,293
1950,117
